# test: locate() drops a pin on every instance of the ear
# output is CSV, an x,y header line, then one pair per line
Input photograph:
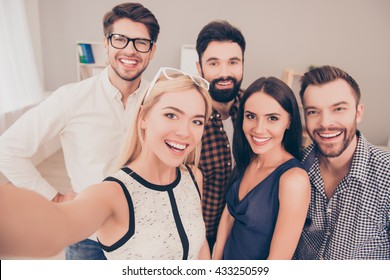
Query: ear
x,y
153,50
105,43
359,113
199,68
142,118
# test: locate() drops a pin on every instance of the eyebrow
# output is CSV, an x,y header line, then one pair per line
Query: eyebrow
x,y
216,58
333,105
269,114
183,113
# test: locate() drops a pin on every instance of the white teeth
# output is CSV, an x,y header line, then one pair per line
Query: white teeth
x,y
224,83
176,145
330,135
129,62
261,140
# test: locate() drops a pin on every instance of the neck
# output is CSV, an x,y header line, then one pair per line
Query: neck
x,y
126,88
272,158
160,174
223,108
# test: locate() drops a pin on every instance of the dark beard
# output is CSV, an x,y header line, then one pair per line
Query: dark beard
x,y
224,95
346,141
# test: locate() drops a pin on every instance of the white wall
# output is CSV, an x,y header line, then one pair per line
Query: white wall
x,y
351,34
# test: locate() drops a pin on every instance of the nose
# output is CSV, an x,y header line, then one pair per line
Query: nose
x,y
183,129
224,70
326,119
260,126
130,47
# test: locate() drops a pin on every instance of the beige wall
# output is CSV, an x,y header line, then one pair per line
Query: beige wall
x,y
351,34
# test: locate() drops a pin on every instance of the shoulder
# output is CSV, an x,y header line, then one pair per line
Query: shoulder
x,y
294,188
371,164
78,89
195,173
377,168
379,155
105,188
196,176
295,179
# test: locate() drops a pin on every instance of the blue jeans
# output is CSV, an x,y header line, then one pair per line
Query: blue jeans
x,y
85,250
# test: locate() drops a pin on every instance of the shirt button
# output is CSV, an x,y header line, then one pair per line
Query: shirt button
x,y
220,128
228,146
228,163
218,115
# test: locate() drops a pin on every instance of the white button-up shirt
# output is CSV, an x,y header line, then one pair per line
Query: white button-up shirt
x,y
92,123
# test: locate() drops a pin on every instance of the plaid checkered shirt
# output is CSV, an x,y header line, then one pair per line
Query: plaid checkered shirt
x,y
355,222
216,166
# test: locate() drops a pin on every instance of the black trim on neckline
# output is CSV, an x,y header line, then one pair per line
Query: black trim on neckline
x,y
179,225
194,180
131,229
161,188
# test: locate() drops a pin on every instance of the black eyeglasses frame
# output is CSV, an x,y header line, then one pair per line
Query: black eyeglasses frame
x,y
109,38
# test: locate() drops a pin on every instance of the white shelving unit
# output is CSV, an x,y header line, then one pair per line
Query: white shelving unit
x,y
86,70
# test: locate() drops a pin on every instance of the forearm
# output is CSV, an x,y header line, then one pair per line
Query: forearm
x,y
204,253
22,173
224,228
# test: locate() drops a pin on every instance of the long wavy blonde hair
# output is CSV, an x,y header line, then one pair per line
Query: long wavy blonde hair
x,y
135,143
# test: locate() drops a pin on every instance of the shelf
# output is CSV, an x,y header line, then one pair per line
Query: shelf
x,y
92,65
86,70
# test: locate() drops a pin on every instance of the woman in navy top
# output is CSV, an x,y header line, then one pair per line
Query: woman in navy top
x,y
269,196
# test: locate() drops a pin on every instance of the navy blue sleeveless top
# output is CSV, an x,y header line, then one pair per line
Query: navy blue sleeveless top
x,y
254,216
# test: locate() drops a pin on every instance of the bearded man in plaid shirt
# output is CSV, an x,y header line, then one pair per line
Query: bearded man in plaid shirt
x,y
220,47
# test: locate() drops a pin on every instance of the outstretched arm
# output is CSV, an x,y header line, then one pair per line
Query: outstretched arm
x,y
30,225
294,199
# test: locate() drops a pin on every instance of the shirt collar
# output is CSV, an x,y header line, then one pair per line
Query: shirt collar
x,y
360,160
113,92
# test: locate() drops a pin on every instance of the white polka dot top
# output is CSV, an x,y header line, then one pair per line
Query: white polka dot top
x,y
165,221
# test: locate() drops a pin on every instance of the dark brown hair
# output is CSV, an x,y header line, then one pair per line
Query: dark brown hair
x,y
220,31
292,139
135,12
325,74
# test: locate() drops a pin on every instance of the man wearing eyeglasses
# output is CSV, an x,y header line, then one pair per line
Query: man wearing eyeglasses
x,y
220,47
91,117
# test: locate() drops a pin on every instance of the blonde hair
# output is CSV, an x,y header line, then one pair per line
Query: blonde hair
x,y
135,143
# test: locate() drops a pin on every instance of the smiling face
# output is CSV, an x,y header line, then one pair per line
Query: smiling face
x,y
265,122
174,127
222,66
127,64
331,116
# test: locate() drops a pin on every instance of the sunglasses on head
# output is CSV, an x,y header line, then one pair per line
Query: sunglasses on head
x,y
173,73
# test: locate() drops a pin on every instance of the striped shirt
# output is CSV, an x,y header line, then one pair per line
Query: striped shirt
x,y
216,166
355,222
